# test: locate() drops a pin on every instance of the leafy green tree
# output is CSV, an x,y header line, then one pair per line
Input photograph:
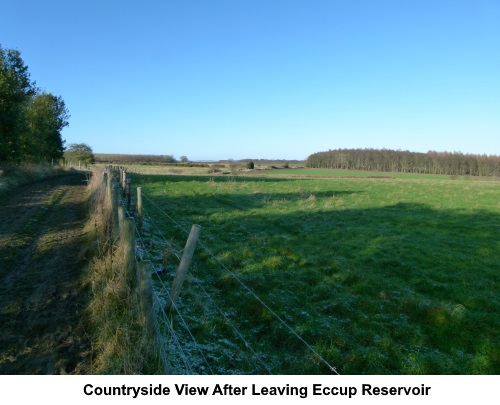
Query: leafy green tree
x,y
16,89
250,165
46,116
79,152
31,120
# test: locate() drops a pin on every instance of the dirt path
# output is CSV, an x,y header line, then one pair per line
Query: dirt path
x,y
41,296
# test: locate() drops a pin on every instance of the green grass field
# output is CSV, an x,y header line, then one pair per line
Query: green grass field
x,y
392,276
370,174
359,173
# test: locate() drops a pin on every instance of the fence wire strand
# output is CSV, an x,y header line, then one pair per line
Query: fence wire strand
x,y
235,329
207,294
245,287
165,289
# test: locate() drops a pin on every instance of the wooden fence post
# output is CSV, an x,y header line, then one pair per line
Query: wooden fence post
x,y
114,206
128,241
139,208
146,294
109,188
121,219
124,182
186,259
128,193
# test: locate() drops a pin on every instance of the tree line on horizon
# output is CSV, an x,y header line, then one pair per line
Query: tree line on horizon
x,y
386,160
31,119
119,158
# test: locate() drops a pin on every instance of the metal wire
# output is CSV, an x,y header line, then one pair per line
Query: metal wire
x,y
207,250
176,340
270,310
161,233
207,294
235,329
139,236
189,331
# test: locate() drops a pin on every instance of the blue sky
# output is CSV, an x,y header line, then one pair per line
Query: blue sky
x,y
266,79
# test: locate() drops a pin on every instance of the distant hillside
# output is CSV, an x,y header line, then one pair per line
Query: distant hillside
x,y
386,160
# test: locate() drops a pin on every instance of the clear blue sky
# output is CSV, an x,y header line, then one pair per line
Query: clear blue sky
x,y
213,79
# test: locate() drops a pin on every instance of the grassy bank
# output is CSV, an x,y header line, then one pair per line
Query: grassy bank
x,y
115,321
12,176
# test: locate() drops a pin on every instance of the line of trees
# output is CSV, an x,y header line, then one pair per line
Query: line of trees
x,y
281,162
116,158
386,160
31,119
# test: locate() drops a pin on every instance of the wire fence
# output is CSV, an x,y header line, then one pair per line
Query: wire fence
x,y
209,298
181,351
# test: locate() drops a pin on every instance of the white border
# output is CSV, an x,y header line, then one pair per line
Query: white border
x,y
69,390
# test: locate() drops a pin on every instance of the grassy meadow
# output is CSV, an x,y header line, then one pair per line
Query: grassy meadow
x,y
302,172
379,276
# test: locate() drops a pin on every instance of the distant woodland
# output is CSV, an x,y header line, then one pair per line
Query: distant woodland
x,y
116,158
385,160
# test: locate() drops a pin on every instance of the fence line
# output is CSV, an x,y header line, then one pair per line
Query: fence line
x,y
164,288
159,304
242,284
207,294
248,289
157,308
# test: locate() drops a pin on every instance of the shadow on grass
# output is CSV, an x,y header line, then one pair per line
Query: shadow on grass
x,y
42,298
223,198
153,179
400,289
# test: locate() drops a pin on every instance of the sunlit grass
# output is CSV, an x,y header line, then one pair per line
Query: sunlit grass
x,y
358,173
379,276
